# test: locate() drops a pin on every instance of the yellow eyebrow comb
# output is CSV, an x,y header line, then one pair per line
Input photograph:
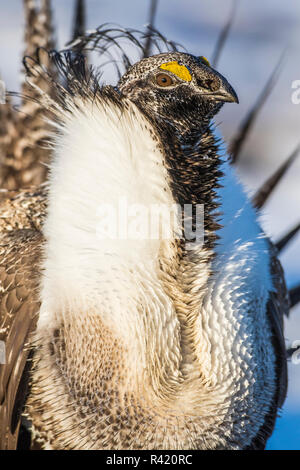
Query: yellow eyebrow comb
x,y
180,70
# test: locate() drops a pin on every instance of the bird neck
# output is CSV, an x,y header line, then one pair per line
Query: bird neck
x,y
193,162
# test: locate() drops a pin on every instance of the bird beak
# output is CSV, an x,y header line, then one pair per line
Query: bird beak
x,y
225,93
217,87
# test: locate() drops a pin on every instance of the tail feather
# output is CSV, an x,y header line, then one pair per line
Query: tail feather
x,y
79,23
240,139
38,33
285,240
294,294
224,35
268,186
24,156
152,14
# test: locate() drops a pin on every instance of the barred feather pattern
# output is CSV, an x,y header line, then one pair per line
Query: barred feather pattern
x,y
23,150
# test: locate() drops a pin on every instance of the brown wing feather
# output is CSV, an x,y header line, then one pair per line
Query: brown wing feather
x,y
20,254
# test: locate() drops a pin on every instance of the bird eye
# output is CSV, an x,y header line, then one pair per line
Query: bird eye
x,y
163,80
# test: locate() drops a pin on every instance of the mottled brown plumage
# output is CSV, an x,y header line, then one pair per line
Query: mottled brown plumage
x,y
21,216
23,133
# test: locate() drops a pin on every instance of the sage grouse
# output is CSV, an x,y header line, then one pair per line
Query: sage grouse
x,y
139,342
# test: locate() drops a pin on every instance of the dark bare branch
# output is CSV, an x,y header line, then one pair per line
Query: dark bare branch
x,y
246,125
224,35
263,193
283,242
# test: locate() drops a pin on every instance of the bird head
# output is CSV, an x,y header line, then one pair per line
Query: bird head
x,y
177,88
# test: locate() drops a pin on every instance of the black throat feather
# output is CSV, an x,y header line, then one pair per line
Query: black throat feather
x,y
193,164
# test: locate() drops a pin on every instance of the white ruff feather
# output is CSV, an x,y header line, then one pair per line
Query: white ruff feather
x,y
237,341
100,157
